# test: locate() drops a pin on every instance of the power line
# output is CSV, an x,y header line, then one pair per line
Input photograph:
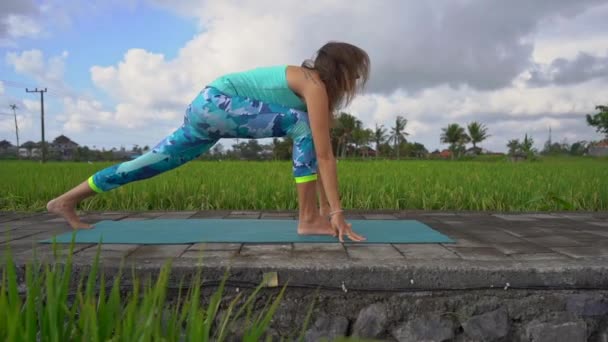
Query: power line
x,y
41,117
14,108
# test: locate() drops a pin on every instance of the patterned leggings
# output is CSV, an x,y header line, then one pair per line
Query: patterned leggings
x,y
211,116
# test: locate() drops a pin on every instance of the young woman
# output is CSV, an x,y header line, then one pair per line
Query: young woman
x,y
265,102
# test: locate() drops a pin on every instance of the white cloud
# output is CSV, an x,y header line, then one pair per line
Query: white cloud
x,y
19,26
32,63
435,63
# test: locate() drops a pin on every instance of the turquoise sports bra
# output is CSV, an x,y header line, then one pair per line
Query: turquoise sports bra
x,y
267,84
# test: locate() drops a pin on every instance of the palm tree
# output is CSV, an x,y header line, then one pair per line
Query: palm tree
x,y
379,137
397,134
513,146
526,145
477,133
345,126
455,136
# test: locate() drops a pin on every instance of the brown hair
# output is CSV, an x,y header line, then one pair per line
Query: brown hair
x,y
344,68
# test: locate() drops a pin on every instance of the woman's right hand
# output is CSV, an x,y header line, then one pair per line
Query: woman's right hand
x,y
338,222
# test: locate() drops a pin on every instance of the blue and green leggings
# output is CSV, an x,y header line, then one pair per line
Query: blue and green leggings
x,y
211,116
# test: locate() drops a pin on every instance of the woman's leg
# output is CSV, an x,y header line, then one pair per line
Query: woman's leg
x,y
182,146
311,222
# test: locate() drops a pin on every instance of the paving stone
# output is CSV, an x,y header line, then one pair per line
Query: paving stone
x,y
539,256
379,217
478,253
16,235
534,231
102,217
265,250
439,214
142,215
45,252
465,242
603,233
331,252
136,218
554,241
208,255
575,216
516,218
279,216
425,251
587,239
113,251
453,222
541,216
176,215
244,215
583,252
158,251
493,236
374,252
522,247
211,214
215,246
599,224
351,216
318,247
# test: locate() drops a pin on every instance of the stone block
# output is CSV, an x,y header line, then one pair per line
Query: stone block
x,y
550,332
490,326
371,321
426,328
327,327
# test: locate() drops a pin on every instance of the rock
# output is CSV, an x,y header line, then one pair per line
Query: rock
x,y
327,327
549,332
490,326
425,329
586,305
371,321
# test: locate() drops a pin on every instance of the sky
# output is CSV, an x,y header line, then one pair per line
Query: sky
x,y
121,73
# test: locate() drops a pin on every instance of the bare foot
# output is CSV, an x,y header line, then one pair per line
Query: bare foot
x,y
317,226
68,212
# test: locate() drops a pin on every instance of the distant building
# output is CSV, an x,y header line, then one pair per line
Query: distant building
x,y
6,148
445,154
63,147
30,149
599,149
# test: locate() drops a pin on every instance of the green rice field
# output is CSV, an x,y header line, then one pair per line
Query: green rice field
x,y
548,184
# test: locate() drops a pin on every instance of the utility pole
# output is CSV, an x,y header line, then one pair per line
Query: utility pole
x,y
41,117
14,107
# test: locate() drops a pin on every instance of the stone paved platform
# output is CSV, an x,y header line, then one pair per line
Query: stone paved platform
x,y
492,250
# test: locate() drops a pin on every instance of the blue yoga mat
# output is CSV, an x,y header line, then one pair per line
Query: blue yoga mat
x,y
184,231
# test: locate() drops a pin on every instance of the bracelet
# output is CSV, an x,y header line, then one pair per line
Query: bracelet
x,y
335,212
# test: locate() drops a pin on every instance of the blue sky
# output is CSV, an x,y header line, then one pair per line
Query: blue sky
x,y
120,73
99,38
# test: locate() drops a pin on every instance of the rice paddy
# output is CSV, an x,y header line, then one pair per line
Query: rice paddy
x,y
545,185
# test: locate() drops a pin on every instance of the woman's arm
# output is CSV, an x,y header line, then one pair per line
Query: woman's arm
x,y
315,95
324,209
